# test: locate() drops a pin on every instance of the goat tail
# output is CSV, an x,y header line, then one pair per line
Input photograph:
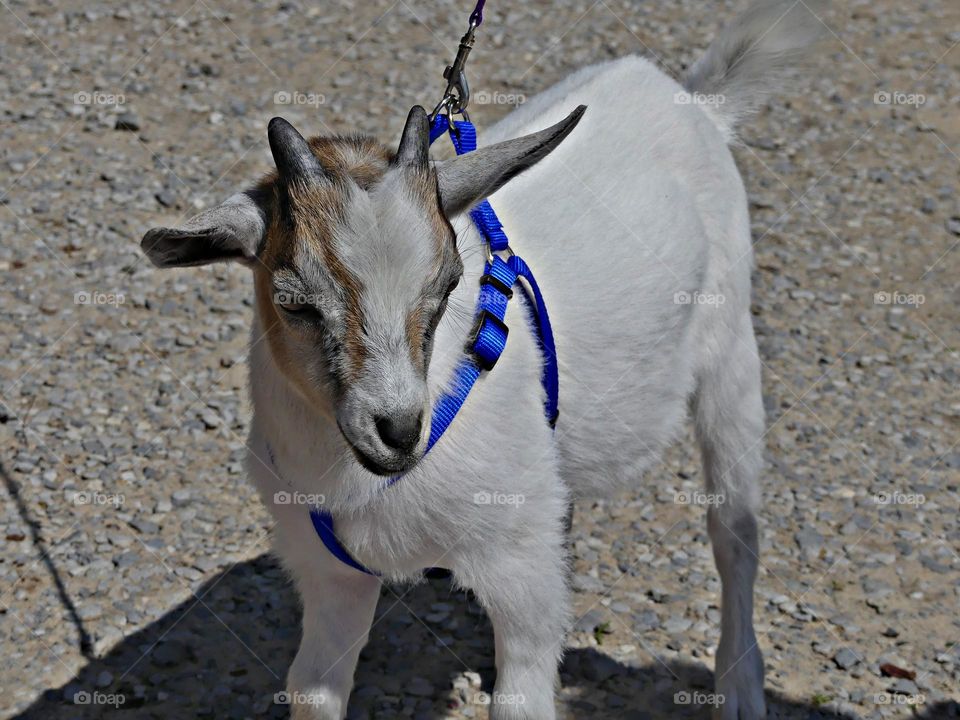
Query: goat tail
x,y
751,57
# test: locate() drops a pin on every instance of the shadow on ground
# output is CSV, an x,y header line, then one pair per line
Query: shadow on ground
x,y
225,655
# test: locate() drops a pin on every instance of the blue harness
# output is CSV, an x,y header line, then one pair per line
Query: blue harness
x,y
488,339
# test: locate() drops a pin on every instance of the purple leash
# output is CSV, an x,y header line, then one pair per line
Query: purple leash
x,y
476,17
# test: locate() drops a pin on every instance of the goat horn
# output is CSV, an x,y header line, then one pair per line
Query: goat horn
x,y
414,147
292,154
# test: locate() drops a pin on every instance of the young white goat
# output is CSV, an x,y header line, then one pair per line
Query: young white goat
x,y
366,273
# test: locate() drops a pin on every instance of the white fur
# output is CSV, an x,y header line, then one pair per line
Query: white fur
x,y
641,203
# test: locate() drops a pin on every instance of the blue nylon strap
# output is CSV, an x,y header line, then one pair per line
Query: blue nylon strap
x,y
551,370
489,225
323,524
438,127
490,342
463,137
449,404
490,337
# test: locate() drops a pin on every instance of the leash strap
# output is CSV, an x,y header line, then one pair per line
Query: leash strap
x,y
488,339
485,345
323,524
463,134
548,347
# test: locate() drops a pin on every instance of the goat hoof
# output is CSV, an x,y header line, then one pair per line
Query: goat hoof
x,y
739,687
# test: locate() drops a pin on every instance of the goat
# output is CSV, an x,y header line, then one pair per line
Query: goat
x,y
365,272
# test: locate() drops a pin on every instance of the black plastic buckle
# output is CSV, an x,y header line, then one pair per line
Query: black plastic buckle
x,y
498,284
484,317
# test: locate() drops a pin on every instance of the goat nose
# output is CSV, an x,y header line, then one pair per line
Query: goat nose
x,y
400,432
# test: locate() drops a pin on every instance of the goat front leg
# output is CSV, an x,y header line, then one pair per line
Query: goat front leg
x,y
338,607
525,593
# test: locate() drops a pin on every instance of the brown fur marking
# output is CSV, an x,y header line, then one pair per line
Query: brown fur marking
x,y
424,186
415,328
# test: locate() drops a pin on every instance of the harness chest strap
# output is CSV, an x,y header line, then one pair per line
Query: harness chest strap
x,y
486,342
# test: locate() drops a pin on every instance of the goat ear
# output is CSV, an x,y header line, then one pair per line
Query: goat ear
x,y
230,231
467,179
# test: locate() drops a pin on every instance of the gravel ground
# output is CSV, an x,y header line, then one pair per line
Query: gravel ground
x,y
133,570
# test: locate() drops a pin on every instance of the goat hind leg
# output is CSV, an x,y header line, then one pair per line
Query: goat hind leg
x,y
729,422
